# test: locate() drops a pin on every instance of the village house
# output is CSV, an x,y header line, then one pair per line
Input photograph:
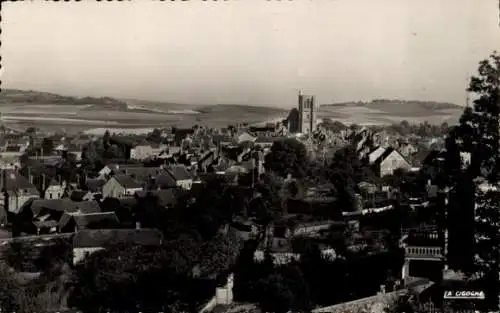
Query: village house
x,y
16,190
86,242
43,215
76,221
143,152
55,190
119,186
180,175
390,160
407,149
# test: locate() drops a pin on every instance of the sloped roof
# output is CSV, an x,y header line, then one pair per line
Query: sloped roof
x,y
64,205
179,172
106,237
83,220
165,180
15,181
141,173
245,137
127,182
95,185
384,155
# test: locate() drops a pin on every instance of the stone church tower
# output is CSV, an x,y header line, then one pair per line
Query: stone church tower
x,y
307,114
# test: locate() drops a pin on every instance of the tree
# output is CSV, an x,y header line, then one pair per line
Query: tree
x,y
213,208
345,172
287,156
478,134
106,139
284,290
154,136
47,145
153,279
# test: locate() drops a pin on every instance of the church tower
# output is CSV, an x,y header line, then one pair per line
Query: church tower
x,y
307,114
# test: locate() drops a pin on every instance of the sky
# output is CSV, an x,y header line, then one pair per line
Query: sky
x,y
252,52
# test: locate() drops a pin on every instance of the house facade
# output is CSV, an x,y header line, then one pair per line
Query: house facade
x,y
120,186
392,162
143,152
55,190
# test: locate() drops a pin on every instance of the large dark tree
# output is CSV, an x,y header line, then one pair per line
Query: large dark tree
x,y
152,279
478,134
345,172
287,156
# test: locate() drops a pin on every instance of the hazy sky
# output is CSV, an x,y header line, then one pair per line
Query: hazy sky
x,y
248,51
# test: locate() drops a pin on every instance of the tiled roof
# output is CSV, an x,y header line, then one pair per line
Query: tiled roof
x,y
15,181
83,220
77,195
165,180
106,237
141,173
64,205
127,181
179,172
95,185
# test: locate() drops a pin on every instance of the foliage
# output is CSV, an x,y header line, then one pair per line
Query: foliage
x,y
213,208
487,242
479,135
155,279
287,156
284,290
346,171
155,136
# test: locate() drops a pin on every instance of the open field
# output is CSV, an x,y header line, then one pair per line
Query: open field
x,y
60,113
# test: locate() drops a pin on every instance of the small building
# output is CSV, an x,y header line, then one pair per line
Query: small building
x,y
143,152
389,161
120,186
86,242
16,191
76,221
55,190
182,177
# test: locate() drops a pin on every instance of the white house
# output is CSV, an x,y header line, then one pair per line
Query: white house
x,y
143,152
55,190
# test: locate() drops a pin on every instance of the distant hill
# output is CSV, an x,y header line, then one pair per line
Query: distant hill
x,y
239,109
11,96
406,106
384,111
